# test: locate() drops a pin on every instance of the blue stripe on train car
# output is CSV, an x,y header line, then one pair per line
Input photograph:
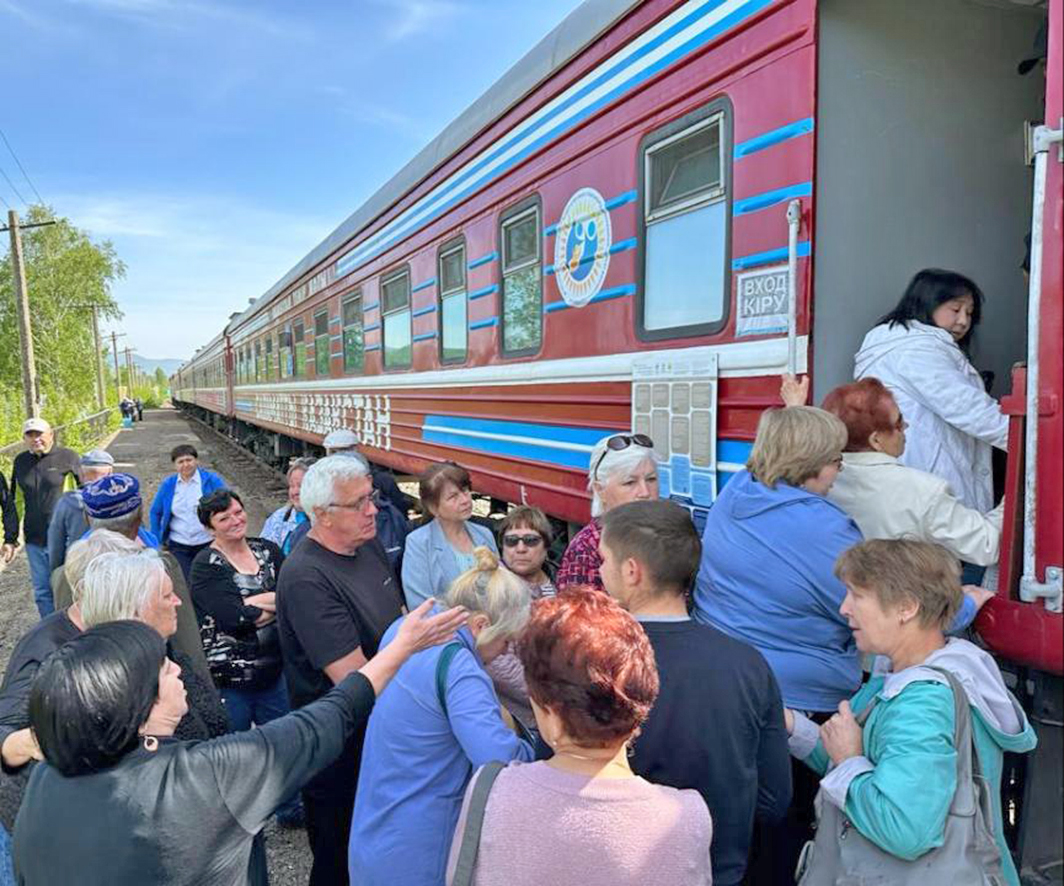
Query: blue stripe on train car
x,y
554,444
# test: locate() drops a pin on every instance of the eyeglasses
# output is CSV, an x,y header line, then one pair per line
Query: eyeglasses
x,y
532,540
619,442
360,504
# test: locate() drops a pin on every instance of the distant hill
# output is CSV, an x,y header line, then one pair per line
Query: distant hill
x,y
149,365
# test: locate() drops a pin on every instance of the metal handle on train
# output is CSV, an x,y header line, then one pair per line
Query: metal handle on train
x,y
794,221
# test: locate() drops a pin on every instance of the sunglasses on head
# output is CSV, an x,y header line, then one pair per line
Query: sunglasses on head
x,y
618,442
530,541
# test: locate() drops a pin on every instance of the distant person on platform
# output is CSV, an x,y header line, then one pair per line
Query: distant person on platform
x,y
138,404
174,520
344,441
69,520
41,474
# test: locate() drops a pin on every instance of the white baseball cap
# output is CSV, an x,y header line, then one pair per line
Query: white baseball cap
x,y
341,438
36,424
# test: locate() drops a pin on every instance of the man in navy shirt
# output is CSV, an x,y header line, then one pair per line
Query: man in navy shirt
x,y
717,725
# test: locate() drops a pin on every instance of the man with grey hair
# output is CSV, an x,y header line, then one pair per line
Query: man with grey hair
x,y
69,521
336,596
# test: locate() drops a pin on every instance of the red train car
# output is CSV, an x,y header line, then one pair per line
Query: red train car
x,y
655,213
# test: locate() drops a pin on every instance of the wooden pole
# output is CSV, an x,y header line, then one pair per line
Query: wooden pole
x,y
22,308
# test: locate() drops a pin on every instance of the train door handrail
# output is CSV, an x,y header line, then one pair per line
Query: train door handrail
x,y
1031,589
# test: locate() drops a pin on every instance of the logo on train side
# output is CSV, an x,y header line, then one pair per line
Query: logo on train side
x,y
582,247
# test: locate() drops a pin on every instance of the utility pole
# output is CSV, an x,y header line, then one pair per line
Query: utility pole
x,y
129,371
99,355
22,309
118,374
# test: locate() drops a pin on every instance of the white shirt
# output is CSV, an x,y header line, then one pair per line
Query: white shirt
x,y
185,527
953,422
889,500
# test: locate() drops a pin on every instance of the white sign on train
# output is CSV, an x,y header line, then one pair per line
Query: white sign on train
x,y
761,301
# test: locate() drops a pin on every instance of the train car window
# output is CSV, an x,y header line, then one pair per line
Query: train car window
x,y
395,307
299,367
522,280
269,358
284,348
321,343
452,277
354,345
685,214
258,360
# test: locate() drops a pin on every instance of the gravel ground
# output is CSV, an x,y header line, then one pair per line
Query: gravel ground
x,y
143,450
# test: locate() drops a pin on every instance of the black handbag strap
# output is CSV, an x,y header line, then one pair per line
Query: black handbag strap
x,y
474,823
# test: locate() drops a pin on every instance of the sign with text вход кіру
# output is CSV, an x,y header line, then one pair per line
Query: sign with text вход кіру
x,y
761,301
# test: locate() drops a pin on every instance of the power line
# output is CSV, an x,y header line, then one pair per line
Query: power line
x,y
25,174
13,188
2,200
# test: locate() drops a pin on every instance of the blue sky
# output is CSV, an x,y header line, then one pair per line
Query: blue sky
x,y
215,142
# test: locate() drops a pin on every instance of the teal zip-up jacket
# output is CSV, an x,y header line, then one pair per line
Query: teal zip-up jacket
x,y
899,792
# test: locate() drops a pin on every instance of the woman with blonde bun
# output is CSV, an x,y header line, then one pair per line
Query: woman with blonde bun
x,y
437,722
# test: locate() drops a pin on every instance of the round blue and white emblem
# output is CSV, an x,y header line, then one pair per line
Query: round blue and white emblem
x,y
582,247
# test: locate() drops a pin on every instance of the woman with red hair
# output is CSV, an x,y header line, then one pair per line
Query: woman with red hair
x,y
583,817
890,500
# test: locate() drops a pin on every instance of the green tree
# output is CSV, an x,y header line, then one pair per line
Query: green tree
x,y
65,271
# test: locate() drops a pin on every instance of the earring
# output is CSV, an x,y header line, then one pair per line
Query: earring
x,y
151,743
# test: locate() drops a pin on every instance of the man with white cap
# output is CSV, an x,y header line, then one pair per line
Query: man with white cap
x,y
40,474
69,521
344,441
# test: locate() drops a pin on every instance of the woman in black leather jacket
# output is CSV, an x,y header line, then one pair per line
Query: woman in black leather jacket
x,y
121,801
233,584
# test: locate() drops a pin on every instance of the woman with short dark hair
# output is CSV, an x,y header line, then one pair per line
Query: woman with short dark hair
x,y
441,550
525,536
233,584
592,677
920,351
121,801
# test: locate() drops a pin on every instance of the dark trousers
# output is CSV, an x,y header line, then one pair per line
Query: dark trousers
x,y
774,849
328,828
185,554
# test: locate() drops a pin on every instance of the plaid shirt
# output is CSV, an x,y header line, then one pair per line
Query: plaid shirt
x,y
581,562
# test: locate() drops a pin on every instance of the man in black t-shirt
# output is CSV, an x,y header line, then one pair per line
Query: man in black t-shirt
x,y
336,596
717,725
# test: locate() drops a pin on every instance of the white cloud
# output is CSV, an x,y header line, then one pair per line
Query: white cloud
x,y
191,260
184,13
412,17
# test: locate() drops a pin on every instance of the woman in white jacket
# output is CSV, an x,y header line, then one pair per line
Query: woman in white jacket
x,y
889,500
920,352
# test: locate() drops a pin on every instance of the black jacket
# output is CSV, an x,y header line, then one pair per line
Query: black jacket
x,y
10,515
187,813
41,477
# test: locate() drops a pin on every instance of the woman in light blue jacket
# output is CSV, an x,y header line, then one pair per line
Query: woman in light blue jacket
x,y
894,777
435,725
437,553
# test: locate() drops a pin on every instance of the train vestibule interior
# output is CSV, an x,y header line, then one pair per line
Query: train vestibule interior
x,y
921,116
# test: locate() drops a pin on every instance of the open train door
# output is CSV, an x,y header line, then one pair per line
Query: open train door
x,y
1023,624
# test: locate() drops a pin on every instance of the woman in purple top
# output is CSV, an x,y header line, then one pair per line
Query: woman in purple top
x,y
583,817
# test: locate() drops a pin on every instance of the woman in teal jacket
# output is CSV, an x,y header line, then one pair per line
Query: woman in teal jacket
x,y
895,777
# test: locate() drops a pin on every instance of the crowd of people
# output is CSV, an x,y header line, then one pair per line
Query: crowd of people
x,y
439,705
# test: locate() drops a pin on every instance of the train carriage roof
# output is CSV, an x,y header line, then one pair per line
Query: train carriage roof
x,y
579,29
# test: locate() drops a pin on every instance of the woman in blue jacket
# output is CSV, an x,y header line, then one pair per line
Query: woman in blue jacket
x,y
894,779
766,578
438,552
436,724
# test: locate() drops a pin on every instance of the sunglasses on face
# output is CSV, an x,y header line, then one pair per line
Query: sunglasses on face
x,y
619,442
529,541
